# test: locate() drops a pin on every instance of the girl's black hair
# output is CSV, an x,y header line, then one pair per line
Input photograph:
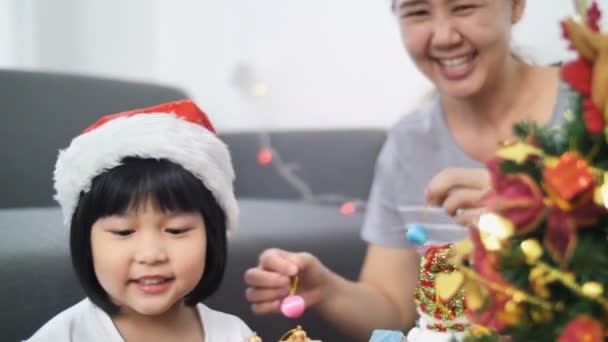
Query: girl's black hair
x,y
170,188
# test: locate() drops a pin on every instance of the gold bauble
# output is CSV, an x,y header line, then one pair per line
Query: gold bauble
x,y
532,250
592,289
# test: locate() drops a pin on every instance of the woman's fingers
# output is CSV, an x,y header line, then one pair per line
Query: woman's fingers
x,y
258,277
469,217
445,181
260,295
278,260
461,199
266,307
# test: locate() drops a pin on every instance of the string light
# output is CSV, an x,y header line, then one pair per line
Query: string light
x,y
496,225
265,156
254,90
348,208
259,90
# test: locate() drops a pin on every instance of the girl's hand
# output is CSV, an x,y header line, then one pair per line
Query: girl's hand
x,y
459,191
270,281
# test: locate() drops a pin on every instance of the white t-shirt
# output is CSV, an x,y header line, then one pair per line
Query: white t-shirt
x,y
85,321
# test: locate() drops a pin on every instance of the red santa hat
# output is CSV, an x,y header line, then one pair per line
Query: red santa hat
x,y
177,131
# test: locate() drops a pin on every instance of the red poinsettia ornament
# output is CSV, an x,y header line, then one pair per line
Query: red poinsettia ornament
x,y
593,17
515,197
484,264
578,75
594,119
582,329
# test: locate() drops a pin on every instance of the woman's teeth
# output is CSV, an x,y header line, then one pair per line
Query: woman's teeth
x,y
455,62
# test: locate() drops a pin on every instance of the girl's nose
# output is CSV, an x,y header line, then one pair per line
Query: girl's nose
x,y
151,250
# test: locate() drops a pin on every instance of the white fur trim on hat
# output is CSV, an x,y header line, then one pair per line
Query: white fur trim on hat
x,y
150,135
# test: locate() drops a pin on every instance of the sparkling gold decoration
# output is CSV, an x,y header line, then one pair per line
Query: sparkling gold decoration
x,y
479,331
448,307
519,152
592,289
493,230
448,285
496,225
475,295
297,335
294,335
511,314
532,250
541,315
600,195
491,242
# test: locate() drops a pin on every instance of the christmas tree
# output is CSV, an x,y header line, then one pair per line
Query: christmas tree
x,y
536,265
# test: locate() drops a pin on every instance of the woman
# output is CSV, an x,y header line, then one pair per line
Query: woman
x,y
434,154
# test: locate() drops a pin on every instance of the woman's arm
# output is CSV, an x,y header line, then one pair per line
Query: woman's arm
x,y
382,298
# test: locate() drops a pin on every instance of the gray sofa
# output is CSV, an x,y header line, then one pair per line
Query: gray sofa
x,y
43,111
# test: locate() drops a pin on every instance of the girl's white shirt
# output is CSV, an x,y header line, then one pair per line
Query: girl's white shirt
x,y
85,321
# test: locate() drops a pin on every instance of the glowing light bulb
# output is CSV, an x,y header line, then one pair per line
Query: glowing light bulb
x,y
265,156
348,208
496,225
259,89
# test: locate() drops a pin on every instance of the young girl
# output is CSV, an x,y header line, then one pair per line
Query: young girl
x,y
148,197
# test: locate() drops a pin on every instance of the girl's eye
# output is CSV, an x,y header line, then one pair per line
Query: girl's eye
x,y
177,231
123,232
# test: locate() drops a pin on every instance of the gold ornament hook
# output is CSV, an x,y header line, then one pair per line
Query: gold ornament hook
x,y
294,286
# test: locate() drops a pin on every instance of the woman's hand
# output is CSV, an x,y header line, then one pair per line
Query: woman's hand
x,y
459,191
270,281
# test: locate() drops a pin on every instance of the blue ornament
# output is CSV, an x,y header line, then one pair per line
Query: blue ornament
x,y
387,336
417,234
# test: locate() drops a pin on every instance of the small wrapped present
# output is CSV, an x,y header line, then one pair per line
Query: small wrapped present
x,y
294,335
387,336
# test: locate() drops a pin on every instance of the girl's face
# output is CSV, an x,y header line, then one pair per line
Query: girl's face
x,y
147,260
460,45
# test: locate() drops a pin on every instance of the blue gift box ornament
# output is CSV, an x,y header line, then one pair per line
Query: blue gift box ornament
x,y
387,336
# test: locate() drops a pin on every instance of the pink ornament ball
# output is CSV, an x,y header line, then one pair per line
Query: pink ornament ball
x,y
293,306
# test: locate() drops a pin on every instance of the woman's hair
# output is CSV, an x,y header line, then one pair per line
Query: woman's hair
x,y
134,183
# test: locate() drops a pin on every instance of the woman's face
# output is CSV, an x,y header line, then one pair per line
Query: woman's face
x,y
460,45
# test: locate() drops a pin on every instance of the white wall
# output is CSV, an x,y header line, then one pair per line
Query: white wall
x,y
7,36
335,63
322,67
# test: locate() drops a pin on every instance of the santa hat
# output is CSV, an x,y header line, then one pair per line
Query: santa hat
x,y
177,131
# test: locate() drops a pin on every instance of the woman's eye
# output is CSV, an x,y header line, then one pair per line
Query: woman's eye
x,y
123,232
177,231
415,13
463,8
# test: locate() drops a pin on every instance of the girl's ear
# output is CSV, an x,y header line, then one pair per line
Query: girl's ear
x,y
517,11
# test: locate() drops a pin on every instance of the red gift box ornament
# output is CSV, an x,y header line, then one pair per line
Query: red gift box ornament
x,y
569,177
